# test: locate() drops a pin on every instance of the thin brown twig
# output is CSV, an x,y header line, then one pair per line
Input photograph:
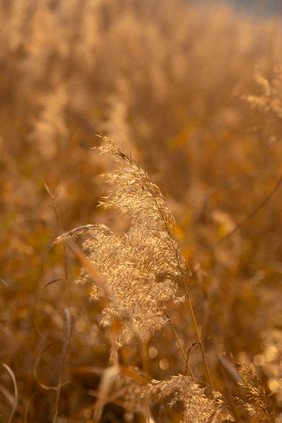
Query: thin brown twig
x,y
188,356
180,347
253,212
236,180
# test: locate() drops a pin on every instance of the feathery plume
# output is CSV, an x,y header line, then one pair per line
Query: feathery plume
x,y
198,408
142,266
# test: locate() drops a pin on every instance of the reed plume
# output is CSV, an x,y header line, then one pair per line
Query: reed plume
x,y
142,266
198,408
256,402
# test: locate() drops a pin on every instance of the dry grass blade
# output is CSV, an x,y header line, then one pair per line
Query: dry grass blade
x,y
7,394
15,398
86,263
51,283
4,282
37,301
41,384
63,361
105,386
29,404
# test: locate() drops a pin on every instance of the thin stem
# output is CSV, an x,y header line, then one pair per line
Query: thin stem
x,y
199,340
253,212
145,356
58,217
187,357
187,365
63,362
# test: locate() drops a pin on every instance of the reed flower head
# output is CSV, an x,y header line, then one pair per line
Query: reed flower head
x,y
256,402
142,266
198,407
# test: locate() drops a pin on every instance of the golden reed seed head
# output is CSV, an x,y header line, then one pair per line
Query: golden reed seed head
x,y
142,266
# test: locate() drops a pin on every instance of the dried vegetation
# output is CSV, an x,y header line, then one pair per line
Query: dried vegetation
x,y
193,94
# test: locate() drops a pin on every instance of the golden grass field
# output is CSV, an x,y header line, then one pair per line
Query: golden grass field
x,y
191,94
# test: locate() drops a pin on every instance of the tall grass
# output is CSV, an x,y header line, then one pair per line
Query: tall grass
x,y
192,93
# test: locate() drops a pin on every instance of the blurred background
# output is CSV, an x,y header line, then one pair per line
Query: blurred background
x,y
255,7
194,91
